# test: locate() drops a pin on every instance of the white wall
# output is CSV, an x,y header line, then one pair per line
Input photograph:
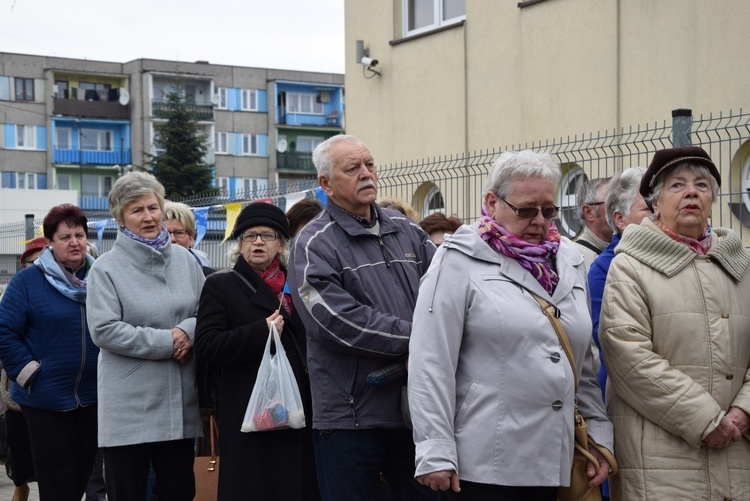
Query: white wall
x,y
15,204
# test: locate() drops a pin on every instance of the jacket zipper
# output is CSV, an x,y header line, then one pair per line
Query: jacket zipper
x,y
83,359
385,251
351,395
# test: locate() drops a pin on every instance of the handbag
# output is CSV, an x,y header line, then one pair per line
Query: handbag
x,y
275,402
206,468
579,489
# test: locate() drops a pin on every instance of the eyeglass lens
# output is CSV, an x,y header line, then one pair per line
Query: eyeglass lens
x,y
178,233
251,237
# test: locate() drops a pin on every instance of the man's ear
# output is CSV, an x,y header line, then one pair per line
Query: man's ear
x,y
323,182
588,213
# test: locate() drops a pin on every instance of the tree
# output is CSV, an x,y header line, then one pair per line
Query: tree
x,y
181,167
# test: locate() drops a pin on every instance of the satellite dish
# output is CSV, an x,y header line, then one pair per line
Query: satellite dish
x,y
124,96
215,100
281,146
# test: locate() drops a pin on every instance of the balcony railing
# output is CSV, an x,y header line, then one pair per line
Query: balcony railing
x,y
295,161
91,109
94,203
286,117
201,112
88,157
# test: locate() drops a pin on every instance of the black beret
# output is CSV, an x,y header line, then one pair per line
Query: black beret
x,y
261,214
666,159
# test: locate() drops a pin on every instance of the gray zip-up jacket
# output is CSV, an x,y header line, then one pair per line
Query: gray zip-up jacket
x,y
355,289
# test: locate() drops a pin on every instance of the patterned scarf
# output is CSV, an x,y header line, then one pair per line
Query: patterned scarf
x,y
699,245
536,258
157,243
275,279
60,278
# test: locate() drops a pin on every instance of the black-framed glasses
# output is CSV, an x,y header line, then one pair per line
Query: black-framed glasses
x,y
178,233
266,237
531,212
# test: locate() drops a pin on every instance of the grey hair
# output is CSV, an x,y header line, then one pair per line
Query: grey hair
x,y
130,188
622,192
588,193
182,213
697,169
234,251
321,155
520,164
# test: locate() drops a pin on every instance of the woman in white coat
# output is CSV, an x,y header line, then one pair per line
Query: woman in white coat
x,y
491,391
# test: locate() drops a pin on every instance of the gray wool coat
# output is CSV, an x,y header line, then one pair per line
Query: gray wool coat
x,y
136,295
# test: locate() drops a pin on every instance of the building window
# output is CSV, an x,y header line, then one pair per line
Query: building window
x,y
63,138
24,89
25,181
246,185
95,91
298,102
221,98
96,186
4,88
570,224
222,184
63,181
96,140
26,137
307,144
221,143
61,87
426,15
249,144
249,100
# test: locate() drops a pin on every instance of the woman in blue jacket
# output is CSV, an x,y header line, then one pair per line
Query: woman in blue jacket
x,y
50,358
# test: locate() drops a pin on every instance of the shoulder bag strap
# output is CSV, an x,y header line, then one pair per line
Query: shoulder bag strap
x,y
553,314
245,280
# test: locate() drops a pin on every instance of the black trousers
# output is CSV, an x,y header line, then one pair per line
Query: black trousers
x,y
126,470
63,446
19,465
472,491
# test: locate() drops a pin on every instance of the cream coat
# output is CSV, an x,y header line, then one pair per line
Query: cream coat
x,y
675,333
491,391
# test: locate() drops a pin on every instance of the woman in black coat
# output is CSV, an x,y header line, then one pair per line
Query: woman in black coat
x,y
234,316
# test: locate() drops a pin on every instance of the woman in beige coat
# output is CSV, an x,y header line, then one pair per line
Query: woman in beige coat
x,y
675,334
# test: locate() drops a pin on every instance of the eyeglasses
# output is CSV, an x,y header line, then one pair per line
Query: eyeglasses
x,y
595,203
178,233
266,237
531,212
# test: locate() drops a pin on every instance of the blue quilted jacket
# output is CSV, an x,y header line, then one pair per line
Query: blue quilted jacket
x,y
45,345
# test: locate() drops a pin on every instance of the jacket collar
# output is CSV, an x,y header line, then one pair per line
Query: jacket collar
x,y
651,246
140,254
352,226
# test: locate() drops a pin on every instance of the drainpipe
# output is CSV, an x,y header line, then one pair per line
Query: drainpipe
x,y
682,122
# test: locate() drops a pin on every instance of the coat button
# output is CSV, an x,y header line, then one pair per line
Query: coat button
x,y
725,315
557,405
555,357
730,376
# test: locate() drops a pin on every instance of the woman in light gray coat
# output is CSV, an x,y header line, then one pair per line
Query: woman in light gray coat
x,y
491,391
142,305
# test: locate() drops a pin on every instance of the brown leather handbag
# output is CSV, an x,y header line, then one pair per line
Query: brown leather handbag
x,y
579,489
206,468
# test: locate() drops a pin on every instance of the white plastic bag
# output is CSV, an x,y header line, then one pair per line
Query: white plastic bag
x,y
275,402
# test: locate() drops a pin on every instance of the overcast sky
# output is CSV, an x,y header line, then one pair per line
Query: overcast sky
x,y
286,34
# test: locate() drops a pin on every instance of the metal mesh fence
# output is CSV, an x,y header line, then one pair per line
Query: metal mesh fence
x,y
453,184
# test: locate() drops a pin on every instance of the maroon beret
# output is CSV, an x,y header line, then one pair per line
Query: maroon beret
x,y
666,159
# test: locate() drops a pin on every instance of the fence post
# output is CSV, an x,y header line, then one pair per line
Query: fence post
x,y
682,121
29,226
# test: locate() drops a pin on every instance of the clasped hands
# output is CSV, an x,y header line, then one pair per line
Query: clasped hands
x,y
732,427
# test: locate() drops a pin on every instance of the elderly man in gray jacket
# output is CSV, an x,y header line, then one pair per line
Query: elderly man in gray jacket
x,y
354,275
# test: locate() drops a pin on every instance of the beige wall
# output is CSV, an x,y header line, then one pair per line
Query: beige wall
x,y
511,75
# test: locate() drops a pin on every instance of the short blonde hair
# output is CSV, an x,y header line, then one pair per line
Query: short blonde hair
x,y
182,213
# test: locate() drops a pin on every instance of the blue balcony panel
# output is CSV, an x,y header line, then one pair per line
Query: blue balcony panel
x,y
94,203
91,157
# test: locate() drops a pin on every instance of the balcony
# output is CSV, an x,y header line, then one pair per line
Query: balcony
x,y
91,157
200,112
94,203
295,162
285,117
91,109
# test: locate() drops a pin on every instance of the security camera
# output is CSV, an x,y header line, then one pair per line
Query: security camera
x,y
369,62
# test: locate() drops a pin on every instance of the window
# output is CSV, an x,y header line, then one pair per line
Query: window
x,y
307,144
297,102
249,101
62,89
249,144
94,91
96,140
5,88
26,137
24,89
96,186
63,138
433,202
222,184
63,181
246,185
426,15
25,181
221,142
221,98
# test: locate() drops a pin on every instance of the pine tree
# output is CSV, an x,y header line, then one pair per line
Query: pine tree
x,y
181,167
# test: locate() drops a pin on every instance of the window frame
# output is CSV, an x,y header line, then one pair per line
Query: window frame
x,y
222,184
24,89
223,98
68,177
437,18
58,131
26,179
218,136
102,186
314,141
251,141
22,137
108,139
248,99
294,102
